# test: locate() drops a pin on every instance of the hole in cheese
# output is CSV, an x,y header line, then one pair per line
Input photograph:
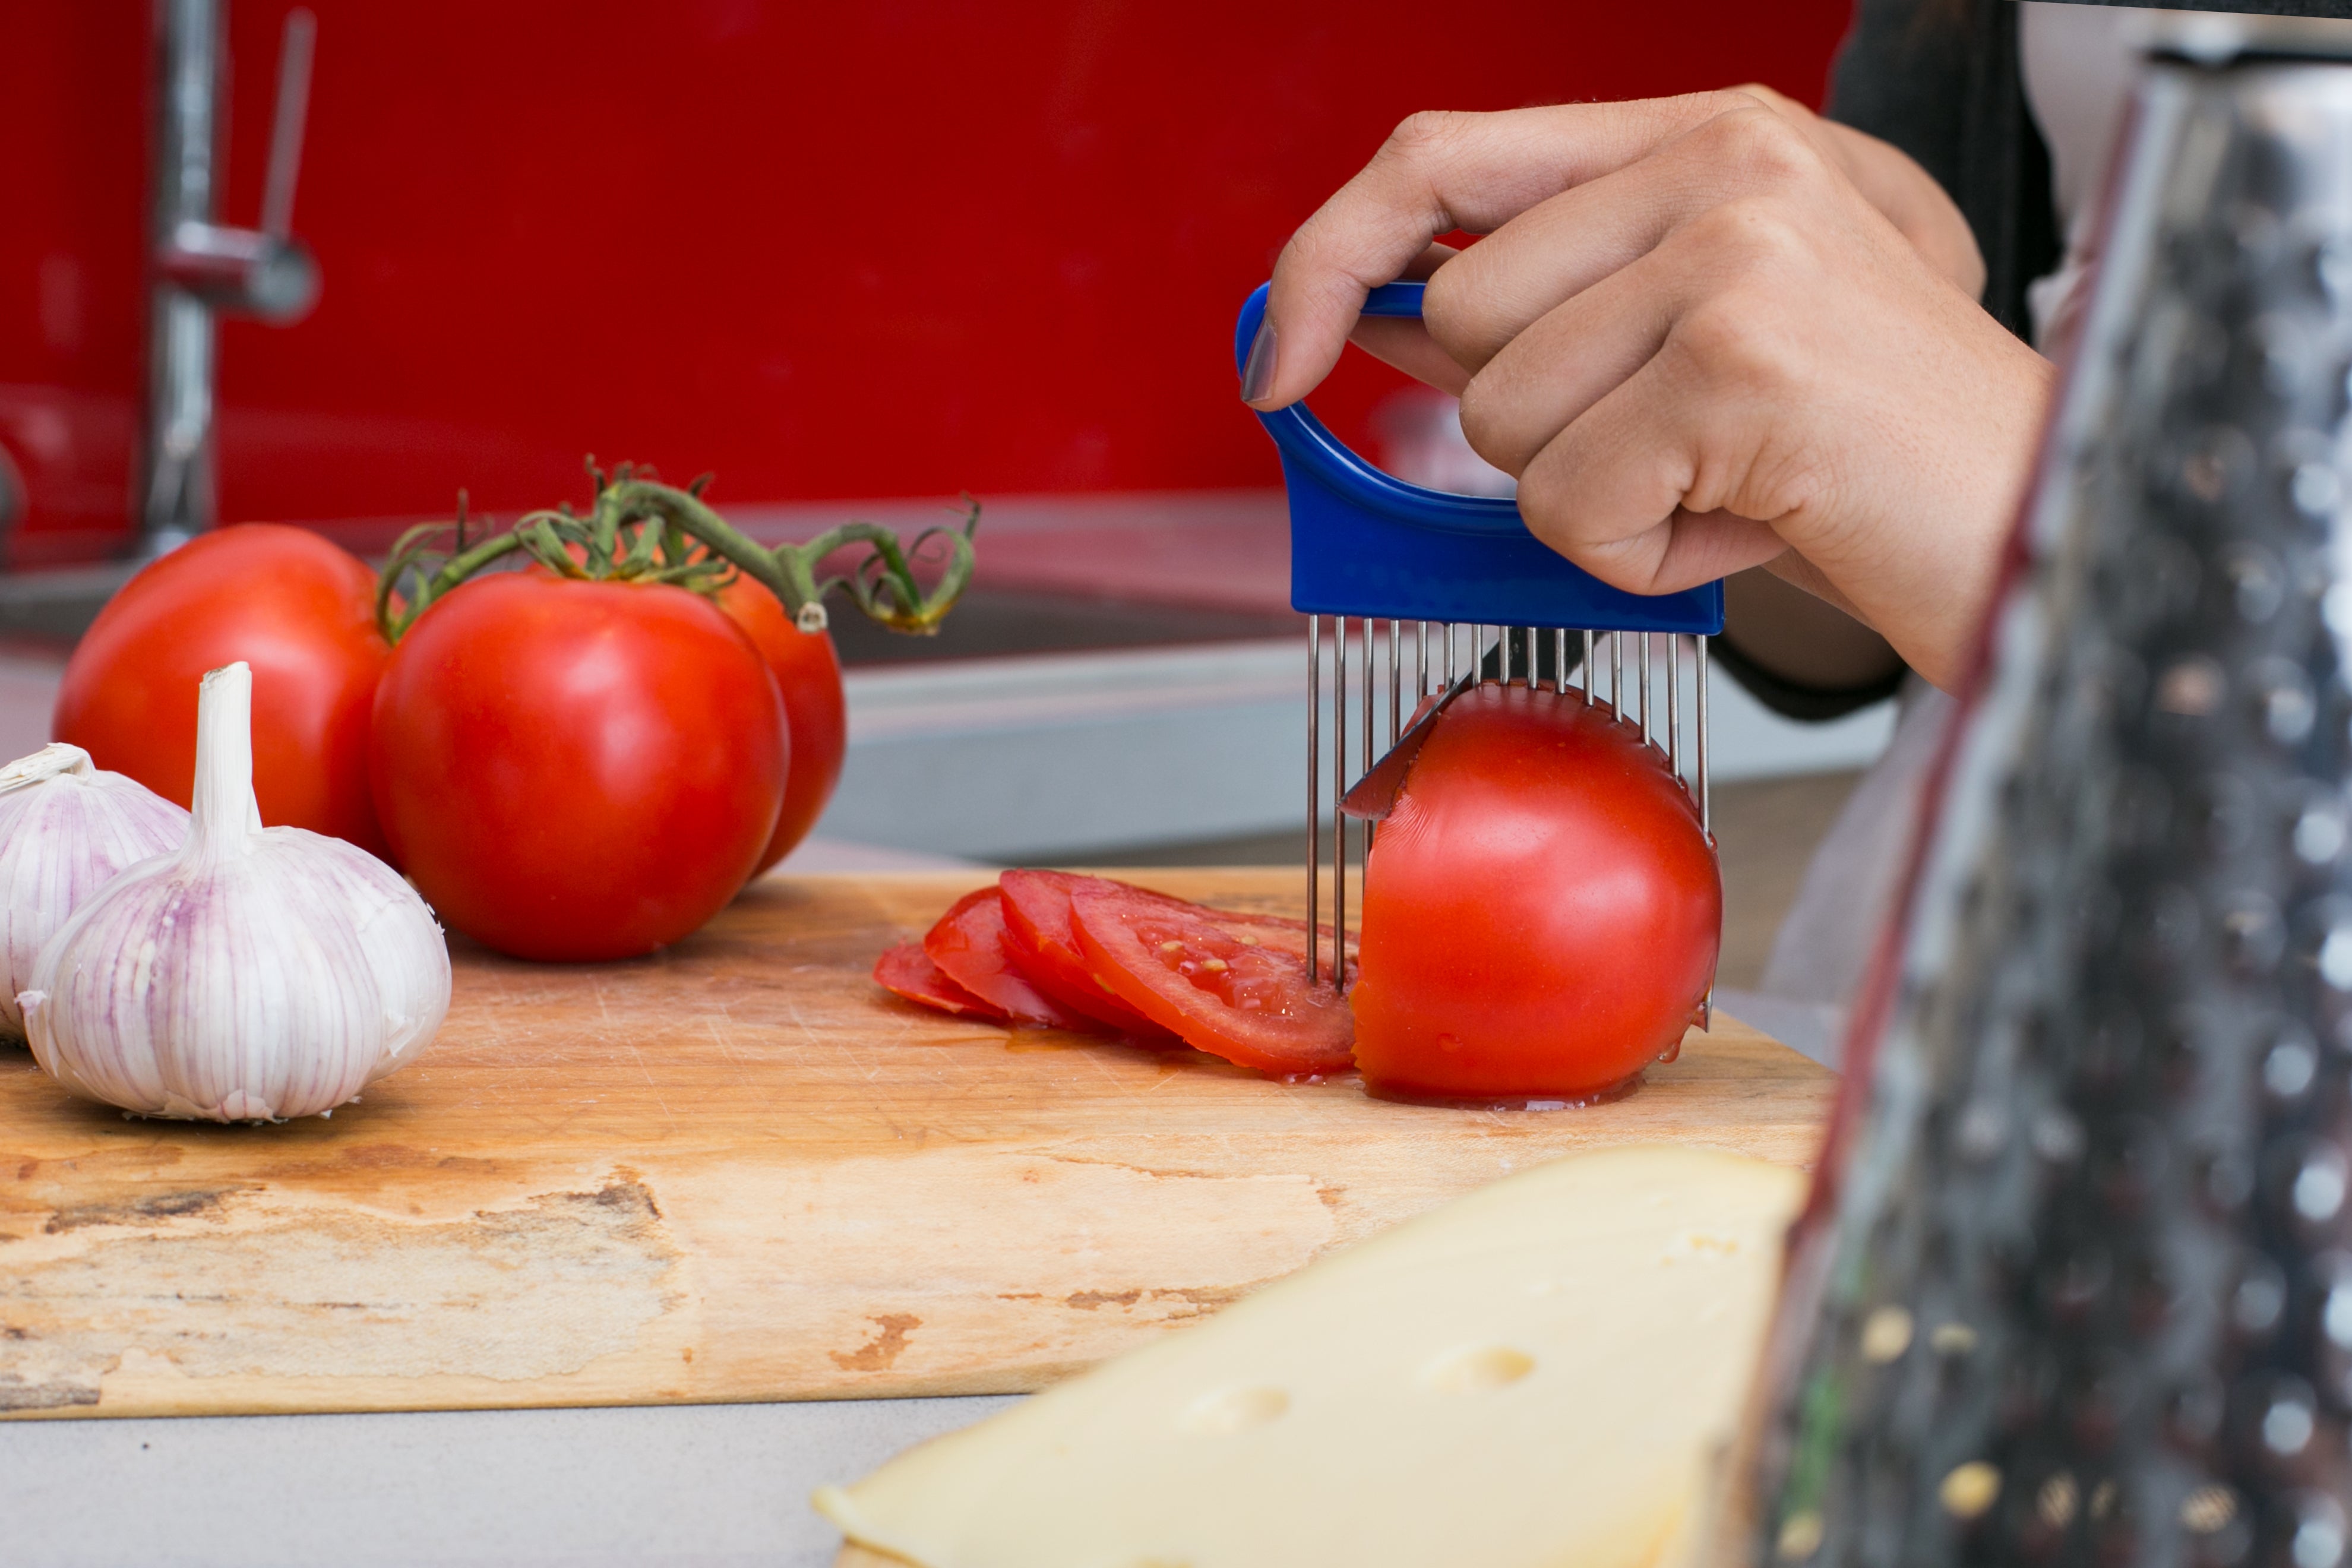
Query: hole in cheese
x,y
1474,1369
1231,1410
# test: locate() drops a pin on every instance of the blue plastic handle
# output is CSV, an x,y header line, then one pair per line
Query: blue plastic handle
x,y
1363,543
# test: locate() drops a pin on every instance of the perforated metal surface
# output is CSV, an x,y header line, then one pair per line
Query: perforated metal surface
x,y
2084,1294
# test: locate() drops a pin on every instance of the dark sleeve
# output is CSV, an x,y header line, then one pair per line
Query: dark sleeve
x,y
1942,82
1793,699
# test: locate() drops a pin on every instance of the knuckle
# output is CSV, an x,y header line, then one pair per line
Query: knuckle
x,y
1730,340
1750,235
1762,146
1758,93
1715,334
1425,137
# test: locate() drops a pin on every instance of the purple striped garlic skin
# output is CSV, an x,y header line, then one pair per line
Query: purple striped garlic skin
x,y
66,829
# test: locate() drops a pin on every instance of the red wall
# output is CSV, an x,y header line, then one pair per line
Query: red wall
x,y
888,248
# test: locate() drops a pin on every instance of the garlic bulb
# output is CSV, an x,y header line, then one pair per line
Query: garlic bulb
x,y
258,973
66,828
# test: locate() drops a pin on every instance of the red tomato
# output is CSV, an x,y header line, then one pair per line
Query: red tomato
x,y
300,611
808,674
1226,984
1541,909
1037,934
908,970
577,770
968,944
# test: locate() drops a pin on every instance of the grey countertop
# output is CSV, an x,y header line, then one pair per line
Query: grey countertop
x,y
707,1486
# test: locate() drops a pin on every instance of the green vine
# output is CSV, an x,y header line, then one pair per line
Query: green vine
x,y
639,529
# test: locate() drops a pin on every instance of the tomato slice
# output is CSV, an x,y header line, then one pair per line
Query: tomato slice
x,y
1233,985
969,944
908,970
1037,935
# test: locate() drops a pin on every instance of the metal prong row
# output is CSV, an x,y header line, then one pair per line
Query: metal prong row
x,y
1514,653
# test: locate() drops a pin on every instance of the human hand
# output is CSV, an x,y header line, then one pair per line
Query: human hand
x,y
1701,343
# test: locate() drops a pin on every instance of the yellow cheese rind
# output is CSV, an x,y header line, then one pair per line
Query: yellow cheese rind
x,y
1532,1376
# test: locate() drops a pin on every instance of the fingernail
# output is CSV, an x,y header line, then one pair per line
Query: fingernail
x,y
1257,371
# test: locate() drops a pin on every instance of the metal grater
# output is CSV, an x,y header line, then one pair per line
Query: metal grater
x,y
2094,1142
1479,592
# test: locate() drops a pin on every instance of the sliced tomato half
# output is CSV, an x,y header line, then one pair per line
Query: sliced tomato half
x,y
908,970
1038,934
1233,985
969,944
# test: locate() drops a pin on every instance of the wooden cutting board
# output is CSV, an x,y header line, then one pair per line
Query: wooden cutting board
x,y
738,1171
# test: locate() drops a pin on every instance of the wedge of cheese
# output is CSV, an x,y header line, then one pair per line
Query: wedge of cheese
x,y
1535,1374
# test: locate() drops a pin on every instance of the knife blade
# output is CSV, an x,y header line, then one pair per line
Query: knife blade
x,y
1374,795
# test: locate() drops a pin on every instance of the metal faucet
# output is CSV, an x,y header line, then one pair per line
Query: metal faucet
x,y
202,268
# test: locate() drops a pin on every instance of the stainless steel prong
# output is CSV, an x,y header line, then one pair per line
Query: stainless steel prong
x,y
1420,662
1396,682
1364,745
1617,674
1642,659
1698,725
1339,793
1559,660
1587,667
1314,783
1675,706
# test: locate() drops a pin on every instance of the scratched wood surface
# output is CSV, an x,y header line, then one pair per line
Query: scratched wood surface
x,y
737,1171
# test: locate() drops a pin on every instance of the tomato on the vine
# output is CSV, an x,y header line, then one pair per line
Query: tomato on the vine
x,y
1541,909
577,770
808,673
297,608
588,758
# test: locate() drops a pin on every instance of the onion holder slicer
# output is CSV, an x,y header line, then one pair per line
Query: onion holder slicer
x,y
1368,547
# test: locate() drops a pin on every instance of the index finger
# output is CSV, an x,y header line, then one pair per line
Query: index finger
x,y
1436,173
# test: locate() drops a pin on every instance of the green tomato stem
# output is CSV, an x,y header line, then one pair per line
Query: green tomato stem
x,y
640,530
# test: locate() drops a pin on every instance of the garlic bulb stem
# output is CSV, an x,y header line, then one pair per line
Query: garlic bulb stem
x,y
258,973
56,760
227,813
